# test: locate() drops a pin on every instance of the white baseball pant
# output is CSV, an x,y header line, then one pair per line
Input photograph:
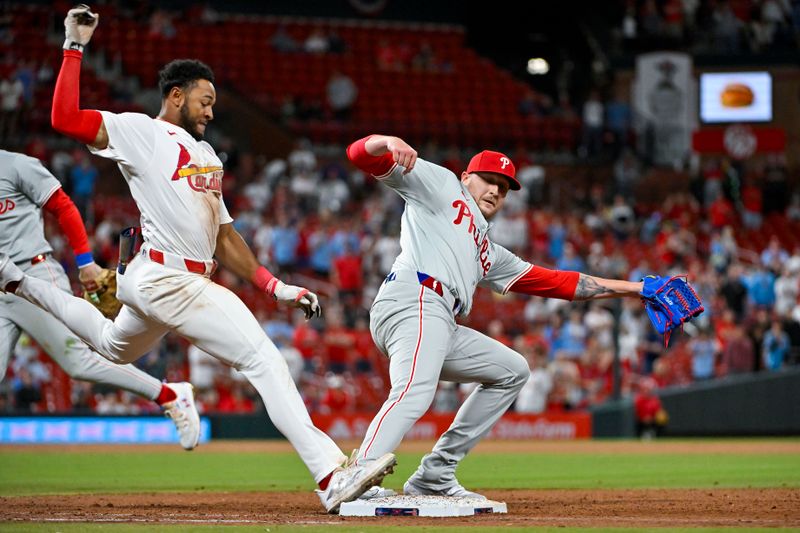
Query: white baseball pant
x,y
159,299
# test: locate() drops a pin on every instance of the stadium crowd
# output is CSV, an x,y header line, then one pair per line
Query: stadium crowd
x,y
731,226
323,223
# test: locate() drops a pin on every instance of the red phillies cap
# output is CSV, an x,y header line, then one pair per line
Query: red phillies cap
x,y
496,163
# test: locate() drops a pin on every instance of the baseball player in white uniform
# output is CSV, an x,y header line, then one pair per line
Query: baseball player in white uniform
x,y
176,180
27,189
446,253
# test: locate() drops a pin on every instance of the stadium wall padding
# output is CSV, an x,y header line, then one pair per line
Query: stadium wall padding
x,y
752,404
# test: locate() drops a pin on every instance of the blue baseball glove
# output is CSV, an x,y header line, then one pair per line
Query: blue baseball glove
x,y
669,303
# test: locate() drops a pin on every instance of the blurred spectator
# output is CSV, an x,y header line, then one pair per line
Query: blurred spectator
x,y
593,115
342,93
571,260
202,368
237,401
704,350
738,355
626,174
533,396
776,347
425,59
11,90
727,29
774,256
337,398
83,177
161,25
651,417
27,393
787,289
761,287
282,41
618,122
316,42
285,240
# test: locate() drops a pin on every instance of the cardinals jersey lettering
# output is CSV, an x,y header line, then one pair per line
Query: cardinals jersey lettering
x,y
444,234
175,180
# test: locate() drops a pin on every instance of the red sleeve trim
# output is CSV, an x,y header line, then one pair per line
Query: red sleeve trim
x,y
378,166
547,283
70,221
66,116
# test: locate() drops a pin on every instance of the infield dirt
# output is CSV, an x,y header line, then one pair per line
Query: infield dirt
x,y
744,507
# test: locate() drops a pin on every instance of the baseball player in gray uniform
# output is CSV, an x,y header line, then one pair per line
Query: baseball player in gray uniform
x,y
446,253
26,190
175,177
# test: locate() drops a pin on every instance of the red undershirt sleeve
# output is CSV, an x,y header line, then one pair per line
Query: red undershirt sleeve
x,y
547,283
71,224
376,165
66,116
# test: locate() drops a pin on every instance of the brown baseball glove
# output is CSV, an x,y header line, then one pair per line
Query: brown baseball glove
x,y
104,296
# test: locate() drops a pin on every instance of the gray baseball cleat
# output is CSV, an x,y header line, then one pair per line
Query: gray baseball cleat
x,y
353,480
183,413
453,491
9,272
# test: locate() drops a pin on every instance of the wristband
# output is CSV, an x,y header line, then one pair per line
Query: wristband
x,y
73,45
264,280
84,259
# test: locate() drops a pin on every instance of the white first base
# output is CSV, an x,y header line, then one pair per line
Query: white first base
x,y
421,506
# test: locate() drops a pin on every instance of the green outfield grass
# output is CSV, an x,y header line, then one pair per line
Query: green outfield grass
x,y
42,472
49,472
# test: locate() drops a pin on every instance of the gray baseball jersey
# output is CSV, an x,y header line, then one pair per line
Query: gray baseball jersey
x,y
25,186
444,234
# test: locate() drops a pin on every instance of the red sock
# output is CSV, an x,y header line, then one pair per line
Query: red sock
x,y
166,395
323,484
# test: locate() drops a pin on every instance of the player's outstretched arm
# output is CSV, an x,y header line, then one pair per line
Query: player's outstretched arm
x,y
377,154
570,285
594,288
84,125
234,253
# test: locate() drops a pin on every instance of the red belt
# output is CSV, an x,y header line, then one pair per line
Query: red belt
x,y
198,267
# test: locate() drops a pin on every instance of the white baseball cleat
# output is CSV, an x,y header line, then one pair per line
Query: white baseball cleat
x,y
377,492
9,272
184,414
353,480
453,491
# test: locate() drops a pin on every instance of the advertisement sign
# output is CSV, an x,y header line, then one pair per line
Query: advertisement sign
x,y
512,426
93,430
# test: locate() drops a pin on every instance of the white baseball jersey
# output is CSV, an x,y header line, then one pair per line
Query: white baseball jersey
x,y
175,180
25,186
444,234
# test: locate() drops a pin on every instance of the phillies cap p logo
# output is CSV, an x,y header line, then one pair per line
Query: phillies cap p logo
x,y
504,161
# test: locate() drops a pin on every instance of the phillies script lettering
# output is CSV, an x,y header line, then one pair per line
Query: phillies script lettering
x,y
6,205
481,244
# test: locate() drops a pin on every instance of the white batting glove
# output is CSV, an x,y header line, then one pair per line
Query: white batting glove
x,y
298,297
79,27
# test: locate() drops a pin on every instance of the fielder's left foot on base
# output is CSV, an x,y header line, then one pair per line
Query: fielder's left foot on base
x,y
352,481
9,272
184,414
454,491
